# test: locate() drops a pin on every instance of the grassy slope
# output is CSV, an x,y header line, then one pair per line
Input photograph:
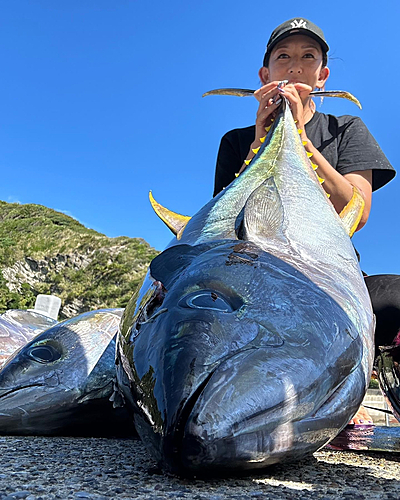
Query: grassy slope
x,y
117,264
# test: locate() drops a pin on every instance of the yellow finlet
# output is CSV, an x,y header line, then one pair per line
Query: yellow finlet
x,y
320,179
262,139
309,154
305,143
327,195
175,222
256,150
247,162
352,212
237,175
314,166
300,130
267,129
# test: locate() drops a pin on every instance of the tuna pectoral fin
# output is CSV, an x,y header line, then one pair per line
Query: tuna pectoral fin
x,y
174,221
352,212
317,93
263,212
169,264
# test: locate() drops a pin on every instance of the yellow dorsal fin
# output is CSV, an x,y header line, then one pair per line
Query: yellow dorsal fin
x,y
175,222
352,212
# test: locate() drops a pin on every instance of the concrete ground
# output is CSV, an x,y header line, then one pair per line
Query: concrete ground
x,y
37,468
49,468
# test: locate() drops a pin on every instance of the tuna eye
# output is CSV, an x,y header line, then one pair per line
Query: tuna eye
x,y
206,299
44,353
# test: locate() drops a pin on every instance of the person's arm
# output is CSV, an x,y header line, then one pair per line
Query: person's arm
x,y
339,186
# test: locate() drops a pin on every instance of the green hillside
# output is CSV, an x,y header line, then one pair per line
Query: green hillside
x,y
44,251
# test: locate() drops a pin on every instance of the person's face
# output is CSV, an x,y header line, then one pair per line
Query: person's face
x,y
297,58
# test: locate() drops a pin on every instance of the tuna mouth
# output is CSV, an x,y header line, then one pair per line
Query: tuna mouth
x,y
174,444
99,392
17,389
208,441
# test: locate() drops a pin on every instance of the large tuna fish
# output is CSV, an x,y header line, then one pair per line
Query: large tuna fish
x,y
61,381
251,339
17,327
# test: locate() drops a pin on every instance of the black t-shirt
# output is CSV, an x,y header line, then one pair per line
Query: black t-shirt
x,y
344,141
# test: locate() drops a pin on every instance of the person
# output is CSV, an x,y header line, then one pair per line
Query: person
x,y
344,150
342,147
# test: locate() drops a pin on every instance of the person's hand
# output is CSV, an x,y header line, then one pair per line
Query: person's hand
x,y
296,94
269,103
269,97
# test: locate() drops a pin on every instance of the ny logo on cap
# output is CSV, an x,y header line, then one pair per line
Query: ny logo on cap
x,y
298,23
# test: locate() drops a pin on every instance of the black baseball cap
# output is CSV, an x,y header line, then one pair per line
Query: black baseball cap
x,y
295,26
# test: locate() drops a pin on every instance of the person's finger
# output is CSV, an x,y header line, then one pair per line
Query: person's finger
x,y
266,88
295,104
291,95
265,111
302,87
289,89
264,97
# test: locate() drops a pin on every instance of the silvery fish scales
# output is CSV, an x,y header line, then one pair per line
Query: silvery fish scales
x,y
250,340
17,327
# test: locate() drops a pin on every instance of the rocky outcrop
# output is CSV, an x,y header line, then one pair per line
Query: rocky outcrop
x,y
33,271
46,252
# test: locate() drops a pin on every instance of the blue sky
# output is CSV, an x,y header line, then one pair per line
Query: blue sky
x,y
101,102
